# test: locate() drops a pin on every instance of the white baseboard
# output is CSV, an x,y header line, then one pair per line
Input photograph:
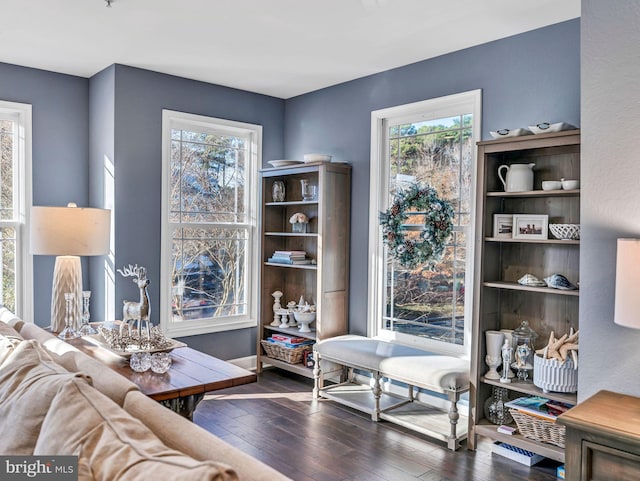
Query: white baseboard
x,y
250,362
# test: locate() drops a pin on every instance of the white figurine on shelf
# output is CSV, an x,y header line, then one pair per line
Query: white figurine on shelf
x,y
276,307
291,306
507,354
284,317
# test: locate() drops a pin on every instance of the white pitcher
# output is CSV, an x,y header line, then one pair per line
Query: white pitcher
x,y
519,177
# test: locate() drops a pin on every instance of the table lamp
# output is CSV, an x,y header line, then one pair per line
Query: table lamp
x,y
68,232
627,305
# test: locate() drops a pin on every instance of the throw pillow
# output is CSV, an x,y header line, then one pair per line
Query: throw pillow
x,y
113,445
29,380
9,339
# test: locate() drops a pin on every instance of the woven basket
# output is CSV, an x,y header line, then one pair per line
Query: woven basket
x,y
539,429
565,231
291,355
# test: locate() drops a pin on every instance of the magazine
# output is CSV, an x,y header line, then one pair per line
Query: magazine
x,y
539,406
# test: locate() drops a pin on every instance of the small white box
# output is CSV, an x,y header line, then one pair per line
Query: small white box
x,y
522,456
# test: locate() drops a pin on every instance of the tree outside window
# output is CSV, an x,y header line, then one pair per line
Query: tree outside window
x,y
210,226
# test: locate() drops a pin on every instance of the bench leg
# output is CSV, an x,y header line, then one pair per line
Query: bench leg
x,y
452,442
318,382
377,393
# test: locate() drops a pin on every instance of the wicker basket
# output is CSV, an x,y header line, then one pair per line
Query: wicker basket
x,y
291,355
539,429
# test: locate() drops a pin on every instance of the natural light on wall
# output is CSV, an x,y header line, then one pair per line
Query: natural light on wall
x,y
109,260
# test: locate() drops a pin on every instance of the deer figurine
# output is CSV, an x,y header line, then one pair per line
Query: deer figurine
x,y
138,312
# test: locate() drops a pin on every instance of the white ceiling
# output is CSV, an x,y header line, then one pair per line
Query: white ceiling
x,y
282,48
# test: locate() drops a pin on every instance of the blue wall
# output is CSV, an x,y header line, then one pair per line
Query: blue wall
x,y
140,97
525,79
60,149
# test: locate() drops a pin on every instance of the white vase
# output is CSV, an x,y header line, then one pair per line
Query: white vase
x,y
494,353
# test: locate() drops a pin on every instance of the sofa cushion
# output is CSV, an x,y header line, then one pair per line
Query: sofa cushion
x,y
10,318
9,339
106,380
29,380
402,363
113,445
177,433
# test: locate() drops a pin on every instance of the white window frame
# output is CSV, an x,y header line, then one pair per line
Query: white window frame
x,y
21,113
466,102
173,119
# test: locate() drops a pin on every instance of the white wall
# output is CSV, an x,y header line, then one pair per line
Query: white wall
x,y
610,200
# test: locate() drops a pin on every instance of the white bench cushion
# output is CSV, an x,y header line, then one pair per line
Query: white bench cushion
x,y
402,363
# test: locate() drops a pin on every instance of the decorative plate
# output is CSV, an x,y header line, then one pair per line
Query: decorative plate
x,y
544,127
98,340
498,134
317,158
283,163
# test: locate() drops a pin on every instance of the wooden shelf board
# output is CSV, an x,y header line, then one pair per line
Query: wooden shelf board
x,y
292,331
537,193
533,241
536,141
533,390
518,287
485,428
291,202
311,267
296,368
291,234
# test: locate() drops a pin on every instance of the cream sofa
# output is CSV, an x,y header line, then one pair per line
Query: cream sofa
x,y
55,400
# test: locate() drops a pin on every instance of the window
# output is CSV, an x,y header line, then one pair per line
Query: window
x,y
209,254
433,143
15,201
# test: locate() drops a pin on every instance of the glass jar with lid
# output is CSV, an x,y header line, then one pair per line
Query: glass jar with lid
x,y
523,350
278,191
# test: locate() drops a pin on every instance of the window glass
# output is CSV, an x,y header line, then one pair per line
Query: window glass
x,y
15,262
424,302
430,143
210,230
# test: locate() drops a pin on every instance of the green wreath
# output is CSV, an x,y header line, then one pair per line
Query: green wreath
x,y
438,224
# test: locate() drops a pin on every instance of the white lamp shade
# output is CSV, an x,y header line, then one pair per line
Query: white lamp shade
x,y
627,307
76,231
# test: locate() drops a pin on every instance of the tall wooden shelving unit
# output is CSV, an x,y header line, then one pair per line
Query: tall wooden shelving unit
x,y
326,241
500,302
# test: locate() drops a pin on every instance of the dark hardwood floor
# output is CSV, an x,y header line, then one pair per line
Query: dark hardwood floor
x,y
276,421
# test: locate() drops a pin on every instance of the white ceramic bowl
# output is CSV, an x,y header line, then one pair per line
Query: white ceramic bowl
x,y
498,134
551,185
565,231
546,127
570,184
304,316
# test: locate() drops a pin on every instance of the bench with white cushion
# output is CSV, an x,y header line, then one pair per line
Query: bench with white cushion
x,y
414,367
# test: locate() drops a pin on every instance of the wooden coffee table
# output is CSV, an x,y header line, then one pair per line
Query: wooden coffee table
x,y
192,374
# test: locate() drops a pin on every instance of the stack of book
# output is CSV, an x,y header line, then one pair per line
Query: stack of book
x,y
539,407
289,257
290,341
